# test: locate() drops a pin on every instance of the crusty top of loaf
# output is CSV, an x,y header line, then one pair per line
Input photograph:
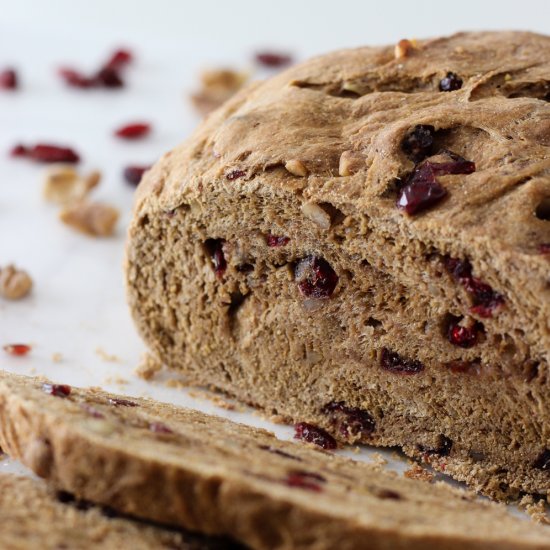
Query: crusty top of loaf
x,y
366,101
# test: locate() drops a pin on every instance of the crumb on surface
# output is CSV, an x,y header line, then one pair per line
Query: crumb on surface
x,y
107,357
536,509
417,472
149,366
57,357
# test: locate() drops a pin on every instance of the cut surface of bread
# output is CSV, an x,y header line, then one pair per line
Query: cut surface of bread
x,y
183,468
369,234
34,516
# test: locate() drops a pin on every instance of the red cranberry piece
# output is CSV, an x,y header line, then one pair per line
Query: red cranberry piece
x,y
418,144
421,191
109,77
120,58
215,250
463,336
8,79
17,349
454,165
450,83
443,448
273,59
274,241
19,151
135,130
58,390
235,174
393,362
315,277
313,434
544,248
160,428
119,402
543,461
351,421
53,153
75,78
134,174
305,480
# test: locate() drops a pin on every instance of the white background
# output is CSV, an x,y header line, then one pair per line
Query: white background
x,y
78,302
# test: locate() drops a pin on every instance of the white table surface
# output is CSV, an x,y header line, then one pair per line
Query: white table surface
x,y
78,303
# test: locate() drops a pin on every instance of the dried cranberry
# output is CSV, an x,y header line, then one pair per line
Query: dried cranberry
x,y
351,421
75,78
544,248
133,174
421,191
315,277
135,130
313,434
458,269
453,164
450,83
17,349
273,59
19,151
160,428
119,402
109,77
58,390
305,480
234,174
273,241
215,250
120,58
46,153
8,79
463,336
543,461
393,362
418,144
444,447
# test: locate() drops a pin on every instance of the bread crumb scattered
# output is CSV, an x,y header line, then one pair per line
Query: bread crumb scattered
x,y
14,283
107,356
217,86
176,383
536,509
214,398
92,218
378,459
57,357
149,365
118,380
417,472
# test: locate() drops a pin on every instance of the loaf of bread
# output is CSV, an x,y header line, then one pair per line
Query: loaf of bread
x,y
367,236
204,473
35,517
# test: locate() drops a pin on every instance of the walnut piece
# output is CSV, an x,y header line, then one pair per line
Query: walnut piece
x,y
296,167
93,218
316,214
217,86
404,48
63,184
350,163
14,283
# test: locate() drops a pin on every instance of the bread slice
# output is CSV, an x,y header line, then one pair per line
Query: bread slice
x,y
184,468
368,233
35,517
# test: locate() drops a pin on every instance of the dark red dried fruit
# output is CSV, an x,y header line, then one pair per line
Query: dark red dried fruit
x,y
75,78
134,174
58,390
464,336
315,277
8,79
119,402
273,241
235,174
418,144
313,434
486,300
543,461
109,77
393,362
350,421
450,83
421,191
46,153
460,367
215,250
444,447
544,248
19,151
305,480
17,349
120,58
160,428
273,59
135,130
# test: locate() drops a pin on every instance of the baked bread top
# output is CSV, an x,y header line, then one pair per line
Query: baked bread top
x,y
182,467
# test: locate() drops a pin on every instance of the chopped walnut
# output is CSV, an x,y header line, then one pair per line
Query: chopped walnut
x,y
404,48
316,214
417,472
63,184
148,366
296,167
14,283
350,163
217,86
93,218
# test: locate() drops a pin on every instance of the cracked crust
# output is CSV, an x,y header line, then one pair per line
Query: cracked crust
x,y
182,467
315,156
